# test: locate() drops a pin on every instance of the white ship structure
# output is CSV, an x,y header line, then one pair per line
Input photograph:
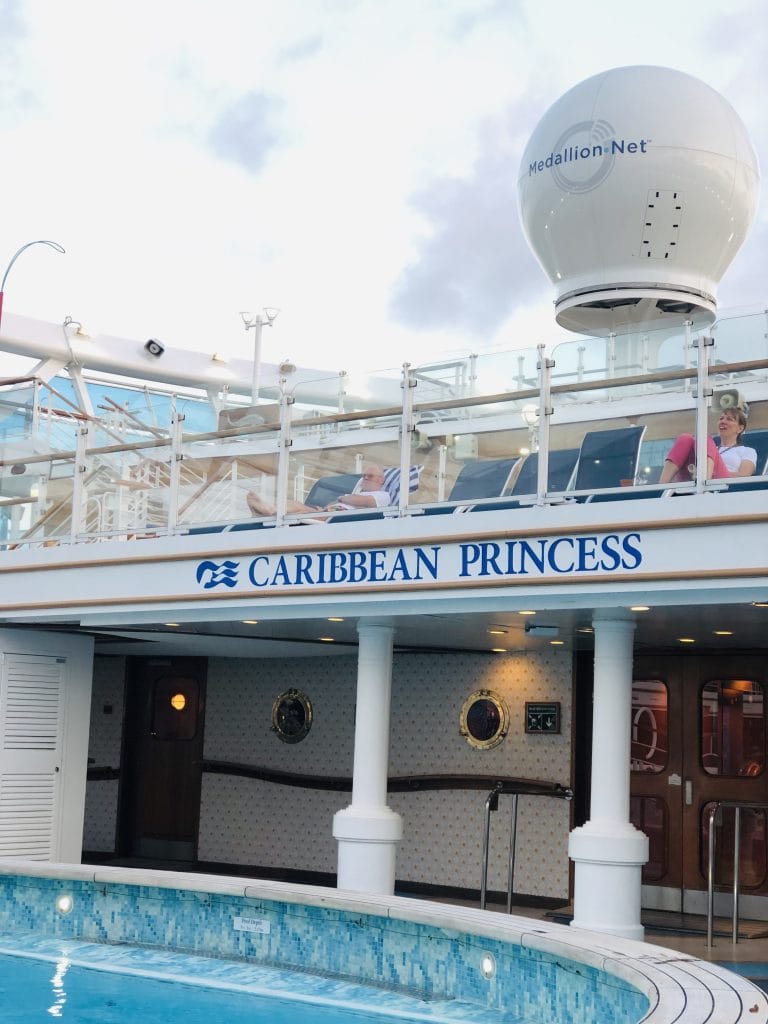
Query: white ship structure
x,y
535,673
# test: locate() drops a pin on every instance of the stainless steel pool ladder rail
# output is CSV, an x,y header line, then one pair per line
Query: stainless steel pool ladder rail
x,y
738,806
515,789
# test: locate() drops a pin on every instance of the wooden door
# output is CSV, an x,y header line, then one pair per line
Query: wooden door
x,y
698,736
161,768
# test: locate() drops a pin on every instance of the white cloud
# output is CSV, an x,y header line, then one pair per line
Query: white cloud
x,y
342,160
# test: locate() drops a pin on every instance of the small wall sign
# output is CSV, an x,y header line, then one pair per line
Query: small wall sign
x,y
542,717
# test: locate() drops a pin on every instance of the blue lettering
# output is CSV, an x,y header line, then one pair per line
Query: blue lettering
x,y
400,566
552,555
338,568
636,556
303,565
378,573
252,571
631,147
323,559
609,546
357,566
526,551
490,554
587,550
470,553
617,147
281,572
423,561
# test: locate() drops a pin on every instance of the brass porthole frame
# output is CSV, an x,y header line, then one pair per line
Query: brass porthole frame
x,y
501,710
291,715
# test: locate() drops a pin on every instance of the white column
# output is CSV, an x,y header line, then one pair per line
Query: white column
x,y
368,831
608,852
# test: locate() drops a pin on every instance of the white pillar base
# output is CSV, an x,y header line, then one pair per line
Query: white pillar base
x,y
367,843
608,859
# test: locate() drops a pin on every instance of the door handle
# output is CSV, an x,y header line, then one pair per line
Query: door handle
x,y
688,792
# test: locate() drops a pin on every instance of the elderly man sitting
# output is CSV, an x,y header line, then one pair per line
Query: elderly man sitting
x,y
369,492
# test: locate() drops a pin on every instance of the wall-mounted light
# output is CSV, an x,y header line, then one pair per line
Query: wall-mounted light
x,y
154,347
178,702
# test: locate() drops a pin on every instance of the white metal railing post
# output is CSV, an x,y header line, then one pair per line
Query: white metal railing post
x,y
687,347
36,388
442,463
408,385
544,367
491,804
78,483
711,874
703,395
174,472
283,453
611,355
512,849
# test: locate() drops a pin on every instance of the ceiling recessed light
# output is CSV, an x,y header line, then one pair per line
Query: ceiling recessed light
x,y
250,622
639,608
498,650
171,625
526,613
557,643
334,618
585,629
760,604
497,632
327,639
723,632
686,640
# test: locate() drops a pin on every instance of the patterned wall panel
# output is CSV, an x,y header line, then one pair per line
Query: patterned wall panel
x,y
104,744
248,822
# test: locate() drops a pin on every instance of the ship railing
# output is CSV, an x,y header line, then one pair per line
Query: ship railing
x,y
514,788
714,817
169,481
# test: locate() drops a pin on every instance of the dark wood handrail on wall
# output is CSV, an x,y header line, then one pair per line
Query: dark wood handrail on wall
x,y
396,784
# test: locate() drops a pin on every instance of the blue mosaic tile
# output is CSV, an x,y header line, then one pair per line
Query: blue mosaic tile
x,y
422,961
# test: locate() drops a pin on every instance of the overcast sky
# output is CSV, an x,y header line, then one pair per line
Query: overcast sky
x,y
352,162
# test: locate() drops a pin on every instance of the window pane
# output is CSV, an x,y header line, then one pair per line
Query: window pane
x,y
732,728
649,726
176,703
649,814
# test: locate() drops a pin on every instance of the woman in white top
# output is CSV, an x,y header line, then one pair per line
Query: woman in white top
x,y
730,458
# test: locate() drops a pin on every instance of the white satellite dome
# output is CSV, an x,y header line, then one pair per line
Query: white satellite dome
x,y
636,191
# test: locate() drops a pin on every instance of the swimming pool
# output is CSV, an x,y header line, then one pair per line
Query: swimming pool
x,y
357,953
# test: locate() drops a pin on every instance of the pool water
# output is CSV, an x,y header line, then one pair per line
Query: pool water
x,y
33,990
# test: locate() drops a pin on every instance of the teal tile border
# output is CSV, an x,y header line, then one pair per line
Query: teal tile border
x,y
542,972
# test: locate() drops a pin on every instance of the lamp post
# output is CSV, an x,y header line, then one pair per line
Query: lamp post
x,y
39,241
256,321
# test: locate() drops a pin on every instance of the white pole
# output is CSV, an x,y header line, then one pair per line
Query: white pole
x,y
256,380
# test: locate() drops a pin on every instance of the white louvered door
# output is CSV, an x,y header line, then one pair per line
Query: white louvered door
x,y
31,731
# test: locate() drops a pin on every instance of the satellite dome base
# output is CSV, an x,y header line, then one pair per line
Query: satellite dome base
x,y
620,309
